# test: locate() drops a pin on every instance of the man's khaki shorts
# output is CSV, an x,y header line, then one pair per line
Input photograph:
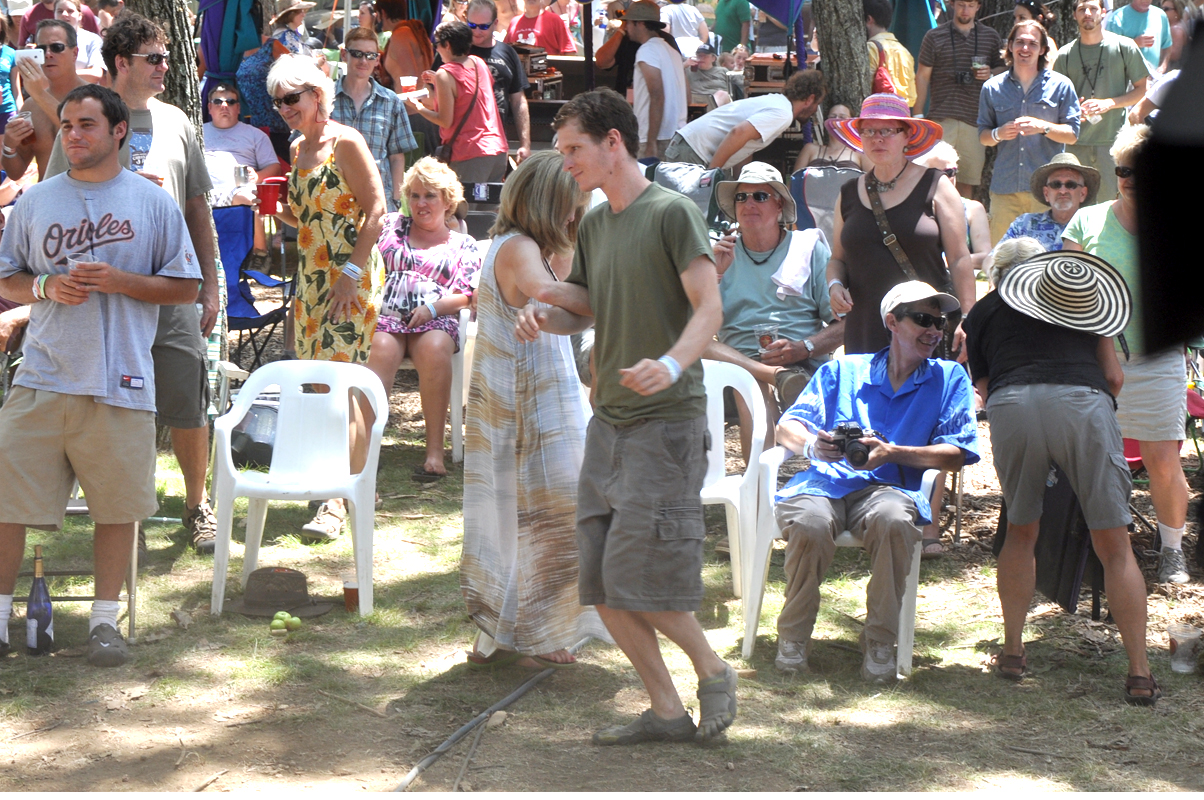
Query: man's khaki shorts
x,y
47,440
971,155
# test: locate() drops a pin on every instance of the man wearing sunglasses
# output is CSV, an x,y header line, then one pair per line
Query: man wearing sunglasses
x,y
509,77
1064,185
47,85
377,113
230,143
163,148
920,408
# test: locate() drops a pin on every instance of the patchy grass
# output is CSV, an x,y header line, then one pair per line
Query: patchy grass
x,y
306,712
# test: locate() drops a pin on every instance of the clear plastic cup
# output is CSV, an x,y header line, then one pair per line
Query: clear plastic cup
x,y
1184,645
767,334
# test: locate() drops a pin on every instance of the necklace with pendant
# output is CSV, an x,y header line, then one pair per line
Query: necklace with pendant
x,y
883,186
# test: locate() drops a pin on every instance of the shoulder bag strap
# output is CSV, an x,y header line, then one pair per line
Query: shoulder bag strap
x,y
888,237
468,111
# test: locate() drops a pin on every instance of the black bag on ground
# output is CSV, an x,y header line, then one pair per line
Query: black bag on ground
x,y
1065,558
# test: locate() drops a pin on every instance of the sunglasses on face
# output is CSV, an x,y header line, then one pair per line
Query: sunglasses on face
x,y
925,320
291,98
224,101
54,47
480,26
1071,185
879,133
367,55
154,59
1125,172
760,197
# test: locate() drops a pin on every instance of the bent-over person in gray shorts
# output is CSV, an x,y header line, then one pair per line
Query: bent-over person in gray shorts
x,y
1040,350
643,270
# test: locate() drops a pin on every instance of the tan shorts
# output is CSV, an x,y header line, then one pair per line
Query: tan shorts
x,y
1006,207
1153,403
971,155
47,440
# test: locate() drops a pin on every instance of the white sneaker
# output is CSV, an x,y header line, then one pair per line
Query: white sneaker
x,y
792,656
1172,567
879,664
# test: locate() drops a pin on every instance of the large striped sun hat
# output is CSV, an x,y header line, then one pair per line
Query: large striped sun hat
x,y
924,133
1071,290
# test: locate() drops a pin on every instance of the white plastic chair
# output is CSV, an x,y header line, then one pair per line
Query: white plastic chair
x,y
311,460
767,531
737,492
459,388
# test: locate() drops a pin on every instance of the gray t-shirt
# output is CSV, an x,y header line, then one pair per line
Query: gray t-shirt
x,y
101,347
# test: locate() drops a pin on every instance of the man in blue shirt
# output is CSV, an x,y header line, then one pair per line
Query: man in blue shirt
x,y
920,412
1148,27
1030,113
1064,185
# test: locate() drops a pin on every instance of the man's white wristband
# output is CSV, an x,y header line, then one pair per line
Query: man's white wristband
x,y
995,134
671,364
835,282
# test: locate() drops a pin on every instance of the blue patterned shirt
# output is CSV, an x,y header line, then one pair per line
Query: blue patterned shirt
x,y
931,407
383,123
1040,226
1051,97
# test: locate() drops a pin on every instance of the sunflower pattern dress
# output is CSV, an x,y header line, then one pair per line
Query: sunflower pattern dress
x,y
329,219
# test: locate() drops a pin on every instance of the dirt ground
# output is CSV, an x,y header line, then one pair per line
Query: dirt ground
x,y
198,724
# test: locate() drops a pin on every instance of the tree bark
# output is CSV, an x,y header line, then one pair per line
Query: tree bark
x,y
181,82
842,41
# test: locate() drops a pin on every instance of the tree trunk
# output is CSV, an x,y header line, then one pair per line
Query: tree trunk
x,y
182,90
842,40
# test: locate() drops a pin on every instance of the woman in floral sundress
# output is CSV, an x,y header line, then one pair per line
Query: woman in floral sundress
x,y
336,201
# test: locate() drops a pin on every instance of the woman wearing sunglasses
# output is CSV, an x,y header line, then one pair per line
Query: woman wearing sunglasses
x,y
336,201
1153,405
922,209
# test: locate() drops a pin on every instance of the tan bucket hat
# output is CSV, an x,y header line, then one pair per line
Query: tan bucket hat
x,y
757,172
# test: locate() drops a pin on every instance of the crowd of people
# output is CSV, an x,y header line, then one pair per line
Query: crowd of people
x,y
585,519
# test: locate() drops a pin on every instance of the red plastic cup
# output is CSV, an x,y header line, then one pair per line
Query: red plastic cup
x,y
269,195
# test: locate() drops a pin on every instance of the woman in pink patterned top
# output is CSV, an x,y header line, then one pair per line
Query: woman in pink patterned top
x,y
429,274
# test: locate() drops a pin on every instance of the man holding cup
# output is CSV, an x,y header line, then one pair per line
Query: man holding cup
x,y
83,403
1148,27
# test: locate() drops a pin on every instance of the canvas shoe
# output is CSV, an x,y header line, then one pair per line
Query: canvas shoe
x,y
1172,566
106,648
879,665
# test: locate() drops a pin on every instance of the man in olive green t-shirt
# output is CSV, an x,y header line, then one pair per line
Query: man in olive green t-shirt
x,y
644,271
1101,65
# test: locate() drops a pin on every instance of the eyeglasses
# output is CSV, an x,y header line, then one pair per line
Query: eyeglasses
x,y
1125,172
880,133
367,55
1071,185
480,26
154,59
54,47
291,98
224,101
760,197
924,320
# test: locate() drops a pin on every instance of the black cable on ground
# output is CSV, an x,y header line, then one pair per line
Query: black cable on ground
x,y
434,756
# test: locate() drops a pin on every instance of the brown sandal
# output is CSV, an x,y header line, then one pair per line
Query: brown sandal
x,y
1012,668
1143,684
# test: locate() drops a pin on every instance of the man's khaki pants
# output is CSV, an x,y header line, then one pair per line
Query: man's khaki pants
x,y
885,518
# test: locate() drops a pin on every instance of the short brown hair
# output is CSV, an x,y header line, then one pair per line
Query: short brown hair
x,y
805,84
358,34
1042,38
598,113
128,32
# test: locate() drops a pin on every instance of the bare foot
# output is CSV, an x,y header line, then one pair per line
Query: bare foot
x,y
435,466
560,657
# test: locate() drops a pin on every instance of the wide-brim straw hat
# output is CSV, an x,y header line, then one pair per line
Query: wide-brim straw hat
x,y
756,172
924,132
285,6
1071,290
1036,183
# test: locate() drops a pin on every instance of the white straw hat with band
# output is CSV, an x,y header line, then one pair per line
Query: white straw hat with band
x,y
1071,290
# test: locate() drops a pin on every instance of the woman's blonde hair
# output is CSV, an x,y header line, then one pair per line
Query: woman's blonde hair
x,y
294,73
1129,142
437,175
1008,254
536,201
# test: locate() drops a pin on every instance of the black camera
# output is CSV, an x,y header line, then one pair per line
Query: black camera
x,y
963,77
845,438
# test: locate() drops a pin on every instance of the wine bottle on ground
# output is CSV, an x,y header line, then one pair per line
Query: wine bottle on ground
x,y
39,616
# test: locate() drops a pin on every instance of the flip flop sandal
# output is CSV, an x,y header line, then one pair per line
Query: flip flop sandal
x,y
925,555
501,658
1142,683
1011,668
716,704
424,475
546,663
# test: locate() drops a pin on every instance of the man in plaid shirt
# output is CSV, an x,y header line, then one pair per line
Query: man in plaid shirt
x,y
377,113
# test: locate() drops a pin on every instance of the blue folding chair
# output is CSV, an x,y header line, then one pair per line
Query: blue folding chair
x,y
236,240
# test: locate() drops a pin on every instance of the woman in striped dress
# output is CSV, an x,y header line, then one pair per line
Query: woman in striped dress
x,y
525,437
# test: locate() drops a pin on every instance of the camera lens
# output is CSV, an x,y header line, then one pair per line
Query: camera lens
x,y
856,453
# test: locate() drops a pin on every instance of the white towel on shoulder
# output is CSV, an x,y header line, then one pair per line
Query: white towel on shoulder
x,y
795,271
